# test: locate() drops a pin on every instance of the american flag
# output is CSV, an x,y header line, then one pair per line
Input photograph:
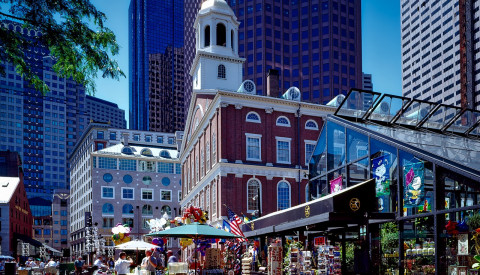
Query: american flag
x,y
235,223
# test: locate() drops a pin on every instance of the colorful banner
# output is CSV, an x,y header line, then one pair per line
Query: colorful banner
x,y
381,168
413,176
336,185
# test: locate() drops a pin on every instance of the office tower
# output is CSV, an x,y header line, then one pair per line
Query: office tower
x,y
154,26
439,51
100,110
367,85
166,91
315,45
42,129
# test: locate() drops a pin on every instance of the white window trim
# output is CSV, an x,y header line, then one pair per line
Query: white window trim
x,y
133,194
247,135
289,193
311,128
252,120
179,195
283,125
260,187
147,189
146,215
107,198
311,142
289,140
168,191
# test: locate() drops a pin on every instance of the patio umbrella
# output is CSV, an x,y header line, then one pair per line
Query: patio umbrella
x,y
136,245
5,257
195,231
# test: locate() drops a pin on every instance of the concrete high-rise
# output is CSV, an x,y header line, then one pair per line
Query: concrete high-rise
x,y
315,45
440,44
154,27
100,110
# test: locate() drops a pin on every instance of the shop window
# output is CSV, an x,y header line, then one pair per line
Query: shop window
x,y
357,145
336,145
418,237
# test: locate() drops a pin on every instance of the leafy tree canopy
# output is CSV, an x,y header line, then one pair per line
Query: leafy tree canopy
x,y
72,30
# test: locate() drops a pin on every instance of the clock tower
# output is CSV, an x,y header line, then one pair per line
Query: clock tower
x,y
217,64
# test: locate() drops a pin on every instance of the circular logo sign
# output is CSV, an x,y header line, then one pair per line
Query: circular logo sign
x,y
354,204
307,211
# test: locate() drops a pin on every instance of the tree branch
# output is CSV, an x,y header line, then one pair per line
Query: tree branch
x,y
14,17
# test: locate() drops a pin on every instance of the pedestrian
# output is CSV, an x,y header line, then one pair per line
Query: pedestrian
x,y
171,258
149,263
122,265
79,266
111,263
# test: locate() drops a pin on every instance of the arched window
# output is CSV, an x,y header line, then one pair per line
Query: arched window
x,y
221,35
253,195
146,152
127,150
311,125
283,195
253,117
107,209
147,210
207,36
166,209
127,209
221,72
283,121
232,33
165,154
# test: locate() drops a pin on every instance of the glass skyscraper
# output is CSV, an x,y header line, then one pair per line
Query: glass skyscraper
x,y
42,129
155,27
316,45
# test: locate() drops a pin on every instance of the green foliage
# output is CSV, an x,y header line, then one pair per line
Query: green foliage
x,y
473,221
286,259
389,236
73,31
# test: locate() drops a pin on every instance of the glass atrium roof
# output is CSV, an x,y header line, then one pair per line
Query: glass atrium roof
x,y
451,133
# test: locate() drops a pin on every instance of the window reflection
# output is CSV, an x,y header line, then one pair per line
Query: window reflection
x,y
336,145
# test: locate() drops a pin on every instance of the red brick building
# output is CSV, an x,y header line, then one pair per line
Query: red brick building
x,y
239,149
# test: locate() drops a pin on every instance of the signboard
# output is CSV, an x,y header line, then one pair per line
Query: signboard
x,y
275,260
381,168
319,241
413,178
336,185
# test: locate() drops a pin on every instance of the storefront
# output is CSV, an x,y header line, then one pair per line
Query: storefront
x,y
424,162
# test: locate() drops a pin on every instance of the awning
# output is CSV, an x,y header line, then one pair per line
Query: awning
x,y
353,205
53,250
27,239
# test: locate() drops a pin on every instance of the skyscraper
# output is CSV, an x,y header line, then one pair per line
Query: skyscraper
x,y
154,27
440,47
100,110
315,45
42,129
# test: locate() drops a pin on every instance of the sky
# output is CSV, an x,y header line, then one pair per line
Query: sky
x,y
380,47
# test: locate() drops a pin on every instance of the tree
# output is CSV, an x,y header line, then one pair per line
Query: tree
x,y
72,30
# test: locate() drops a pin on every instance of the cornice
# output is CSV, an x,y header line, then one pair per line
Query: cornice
x,y
202,53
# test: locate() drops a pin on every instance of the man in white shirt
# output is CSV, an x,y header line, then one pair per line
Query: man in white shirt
x,y
122,265
99,263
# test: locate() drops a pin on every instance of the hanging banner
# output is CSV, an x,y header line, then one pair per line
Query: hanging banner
x,y
336,185
413,176
381,168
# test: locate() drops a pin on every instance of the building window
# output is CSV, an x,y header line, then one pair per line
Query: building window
x,y
311,125
221,35
254,147
232,35
166,210
159,139
165,195
127,209
148,138
128,165
253,117
178,170
107,177
107,209
283,150
165,167
165,181
283,121
127,193
147,210
283,195
171,140
136,137
179,195
147,180
100,146
107,163
208,156
146,152
309,148
222,71
165,154
128,221
214,198
253,195
108,192
127,150
147,194
100,135
207,36
107,222
127,179
147,166
113,135
214,149
202,163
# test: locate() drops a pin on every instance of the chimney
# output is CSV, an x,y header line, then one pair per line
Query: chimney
x,y
125,139
273,89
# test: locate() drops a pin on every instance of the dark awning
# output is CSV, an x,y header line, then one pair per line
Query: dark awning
x,y
27,239
353,205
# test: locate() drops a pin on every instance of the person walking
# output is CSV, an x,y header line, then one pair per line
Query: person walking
x,y
79,266
122,265
149,263
171,258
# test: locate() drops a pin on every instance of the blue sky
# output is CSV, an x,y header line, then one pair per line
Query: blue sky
x,y
380,47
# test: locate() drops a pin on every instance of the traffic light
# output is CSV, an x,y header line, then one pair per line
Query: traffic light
x,y
89,221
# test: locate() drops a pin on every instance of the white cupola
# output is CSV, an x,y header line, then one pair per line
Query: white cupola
x,y
216,64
